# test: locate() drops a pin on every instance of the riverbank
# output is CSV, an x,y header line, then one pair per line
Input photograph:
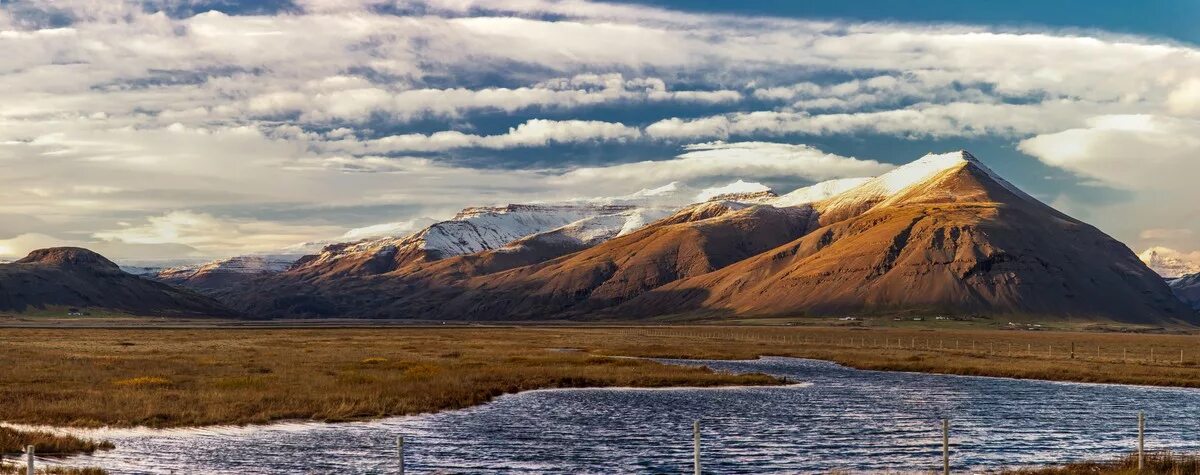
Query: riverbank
x,y
1154,462
200,377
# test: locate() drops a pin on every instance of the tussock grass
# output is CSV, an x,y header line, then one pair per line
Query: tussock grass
x,y
1155,463
14,441
238,376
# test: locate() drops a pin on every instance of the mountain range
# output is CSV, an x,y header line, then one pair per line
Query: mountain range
x,y
943,234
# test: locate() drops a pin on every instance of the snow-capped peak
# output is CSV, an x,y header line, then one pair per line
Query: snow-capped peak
x,y
736,188
922,169
1170,263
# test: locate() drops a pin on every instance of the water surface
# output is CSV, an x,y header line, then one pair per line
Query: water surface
x,y
838,418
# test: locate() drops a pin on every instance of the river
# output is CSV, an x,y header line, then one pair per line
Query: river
x,y
833,418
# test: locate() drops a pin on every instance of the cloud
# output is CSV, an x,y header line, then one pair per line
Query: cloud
x,y
1159,233
207,233
354,99
750,160
532,133
1185,99
122,112
1137,152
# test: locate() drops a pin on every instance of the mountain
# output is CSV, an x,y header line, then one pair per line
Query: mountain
x,y
942,234
69,277
223,273
1169,262
472,230
692,242
1187,288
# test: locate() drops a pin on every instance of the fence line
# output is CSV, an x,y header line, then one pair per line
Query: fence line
x,y
31,463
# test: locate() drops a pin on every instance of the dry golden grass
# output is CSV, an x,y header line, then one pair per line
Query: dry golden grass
x,y
162,378
13,441
178,377
1155,463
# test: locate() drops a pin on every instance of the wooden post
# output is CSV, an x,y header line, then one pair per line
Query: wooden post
x,y
1072,350
696,449
945,446
29,460
1141,439
1151,355
1180,356
400,454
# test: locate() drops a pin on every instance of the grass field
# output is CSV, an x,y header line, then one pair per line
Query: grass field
x,y
172,377
1154,462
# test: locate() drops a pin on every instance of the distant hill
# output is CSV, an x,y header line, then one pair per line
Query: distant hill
x,y
71,277
1187,288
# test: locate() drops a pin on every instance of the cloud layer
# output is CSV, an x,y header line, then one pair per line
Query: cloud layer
x,y
169,129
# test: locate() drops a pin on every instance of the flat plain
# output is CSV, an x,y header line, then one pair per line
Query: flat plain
x,y
197,377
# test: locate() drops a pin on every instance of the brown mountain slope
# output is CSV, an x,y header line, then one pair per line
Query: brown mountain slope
x,y
550,275
962,241
75,277
693,242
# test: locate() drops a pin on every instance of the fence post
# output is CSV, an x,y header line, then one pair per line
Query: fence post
x,y
696,448
29,460
400,454
1141,439
945,446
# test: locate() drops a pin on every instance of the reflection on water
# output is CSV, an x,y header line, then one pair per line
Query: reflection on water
x,y
841,419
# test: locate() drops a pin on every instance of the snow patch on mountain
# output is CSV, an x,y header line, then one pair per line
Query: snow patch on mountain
x,y
257,264
817,192
399,228
1169,262
739,187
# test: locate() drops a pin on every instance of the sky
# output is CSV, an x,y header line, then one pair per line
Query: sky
x,y
189,129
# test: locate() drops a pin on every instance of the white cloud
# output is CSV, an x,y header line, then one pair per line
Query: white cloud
x,y
126,113
532,133
1165,234
1185,99
750,160
1137,152
210,234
